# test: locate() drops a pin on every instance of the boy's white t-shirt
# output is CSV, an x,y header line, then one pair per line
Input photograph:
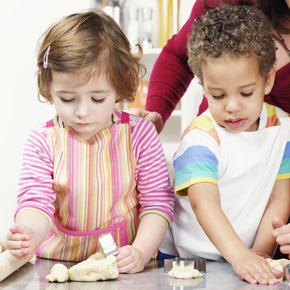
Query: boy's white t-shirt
x,y
248,165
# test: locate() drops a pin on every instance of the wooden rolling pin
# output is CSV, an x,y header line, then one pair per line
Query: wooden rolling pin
x,y
9,264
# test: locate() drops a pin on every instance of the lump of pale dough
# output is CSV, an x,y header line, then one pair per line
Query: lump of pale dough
x,y
184,272
59,273
94,269
278,264
0,249
97,256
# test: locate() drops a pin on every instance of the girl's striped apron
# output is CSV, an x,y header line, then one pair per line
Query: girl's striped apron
x,y
95,192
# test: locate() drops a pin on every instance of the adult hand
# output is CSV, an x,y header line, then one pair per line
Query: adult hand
x,y
281,233
153,117
130,260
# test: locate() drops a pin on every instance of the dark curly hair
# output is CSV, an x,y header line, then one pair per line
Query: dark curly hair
x,y
235,31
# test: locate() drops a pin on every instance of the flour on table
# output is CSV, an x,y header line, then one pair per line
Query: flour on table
x,y
184,272
58,273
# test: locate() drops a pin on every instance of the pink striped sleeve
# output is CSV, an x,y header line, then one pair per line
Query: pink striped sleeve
x,y
155,192
35,186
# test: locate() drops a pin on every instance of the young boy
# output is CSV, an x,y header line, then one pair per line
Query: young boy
x,y
232,162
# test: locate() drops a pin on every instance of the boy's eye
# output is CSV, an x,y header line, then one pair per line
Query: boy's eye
x,y
66,100
98,100
218,97
247,94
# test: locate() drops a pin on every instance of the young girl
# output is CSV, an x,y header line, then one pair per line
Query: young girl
x,y
232,166
91,170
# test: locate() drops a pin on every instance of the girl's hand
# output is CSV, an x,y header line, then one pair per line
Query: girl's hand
x,y
130,260
255,269
21,241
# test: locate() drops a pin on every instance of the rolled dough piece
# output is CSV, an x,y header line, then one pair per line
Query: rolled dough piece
x,y
278,264
95,268
184,272
59,273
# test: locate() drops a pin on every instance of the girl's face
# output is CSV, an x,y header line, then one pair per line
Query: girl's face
x,y
235,91
84,109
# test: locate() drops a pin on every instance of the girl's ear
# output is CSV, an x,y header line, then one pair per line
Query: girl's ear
x,y
270,81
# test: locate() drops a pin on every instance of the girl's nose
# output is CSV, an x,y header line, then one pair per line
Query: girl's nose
x,y
83,110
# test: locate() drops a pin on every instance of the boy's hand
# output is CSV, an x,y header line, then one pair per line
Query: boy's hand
x,y
130,260
255,269
21,241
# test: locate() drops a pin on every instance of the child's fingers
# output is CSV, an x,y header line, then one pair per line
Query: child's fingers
x,y
18,237
264,275
17,245
249,278
20,253
277,274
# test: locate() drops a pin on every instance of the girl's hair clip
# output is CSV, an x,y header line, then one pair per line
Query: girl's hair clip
x,y
45,58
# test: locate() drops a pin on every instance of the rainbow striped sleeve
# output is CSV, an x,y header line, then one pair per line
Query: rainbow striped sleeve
x,y
196,158
284,171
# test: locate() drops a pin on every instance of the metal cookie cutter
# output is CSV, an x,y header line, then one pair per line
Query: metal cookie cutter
x,y
199,264
109,246
286,273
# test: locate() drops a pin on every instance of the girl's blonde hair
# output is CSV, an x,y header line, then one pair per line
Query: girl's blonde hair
x,y
87,43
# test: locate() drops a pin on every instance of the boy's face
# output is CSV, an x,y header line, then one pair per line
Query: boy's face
x,y
85,109
235,91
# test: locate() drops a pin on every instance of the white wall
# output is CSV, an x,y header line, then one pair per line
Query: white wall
x,y
21,24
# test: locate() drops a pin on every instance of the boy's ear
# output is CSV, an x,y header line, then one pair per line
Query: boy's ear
x,y
270,81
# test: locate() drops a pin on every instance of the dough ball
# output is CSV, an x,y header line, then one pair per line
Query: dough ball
x,y
59,273
97,256
184,272
1,249
94,269
278,264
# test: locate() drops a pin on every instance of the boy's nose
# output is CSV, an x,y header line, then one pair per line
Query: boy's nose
x,y
232,105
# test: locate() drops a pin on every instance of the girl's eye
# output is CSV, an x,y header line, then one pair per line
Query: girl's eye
x,y
98,100
218,97
66,100
247,94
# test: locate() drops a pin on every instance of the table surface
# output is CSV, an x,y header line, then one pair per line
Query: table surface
x,y
219,275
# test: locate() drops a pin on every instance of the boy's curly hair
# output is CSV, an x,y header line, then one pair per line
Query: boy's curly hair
x,y
235,31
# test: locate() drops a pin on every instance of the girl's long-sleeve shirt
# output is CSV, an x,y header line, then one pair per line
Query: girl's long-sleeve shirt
x,y
155,194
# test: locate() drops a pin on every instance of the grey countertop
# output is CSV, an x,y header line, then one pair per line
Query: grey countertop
x,y
219,275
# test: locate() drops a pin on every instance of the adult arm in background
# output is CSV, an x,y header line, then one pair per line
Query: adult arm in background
x,y
171,75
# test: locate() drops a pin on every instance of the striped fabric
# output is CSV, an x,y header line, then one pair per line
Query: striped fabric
x,y
88,188
197,158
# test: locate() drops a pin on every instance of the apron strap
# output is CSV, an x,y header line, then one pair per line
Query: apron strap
x,y
125,118
50,123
